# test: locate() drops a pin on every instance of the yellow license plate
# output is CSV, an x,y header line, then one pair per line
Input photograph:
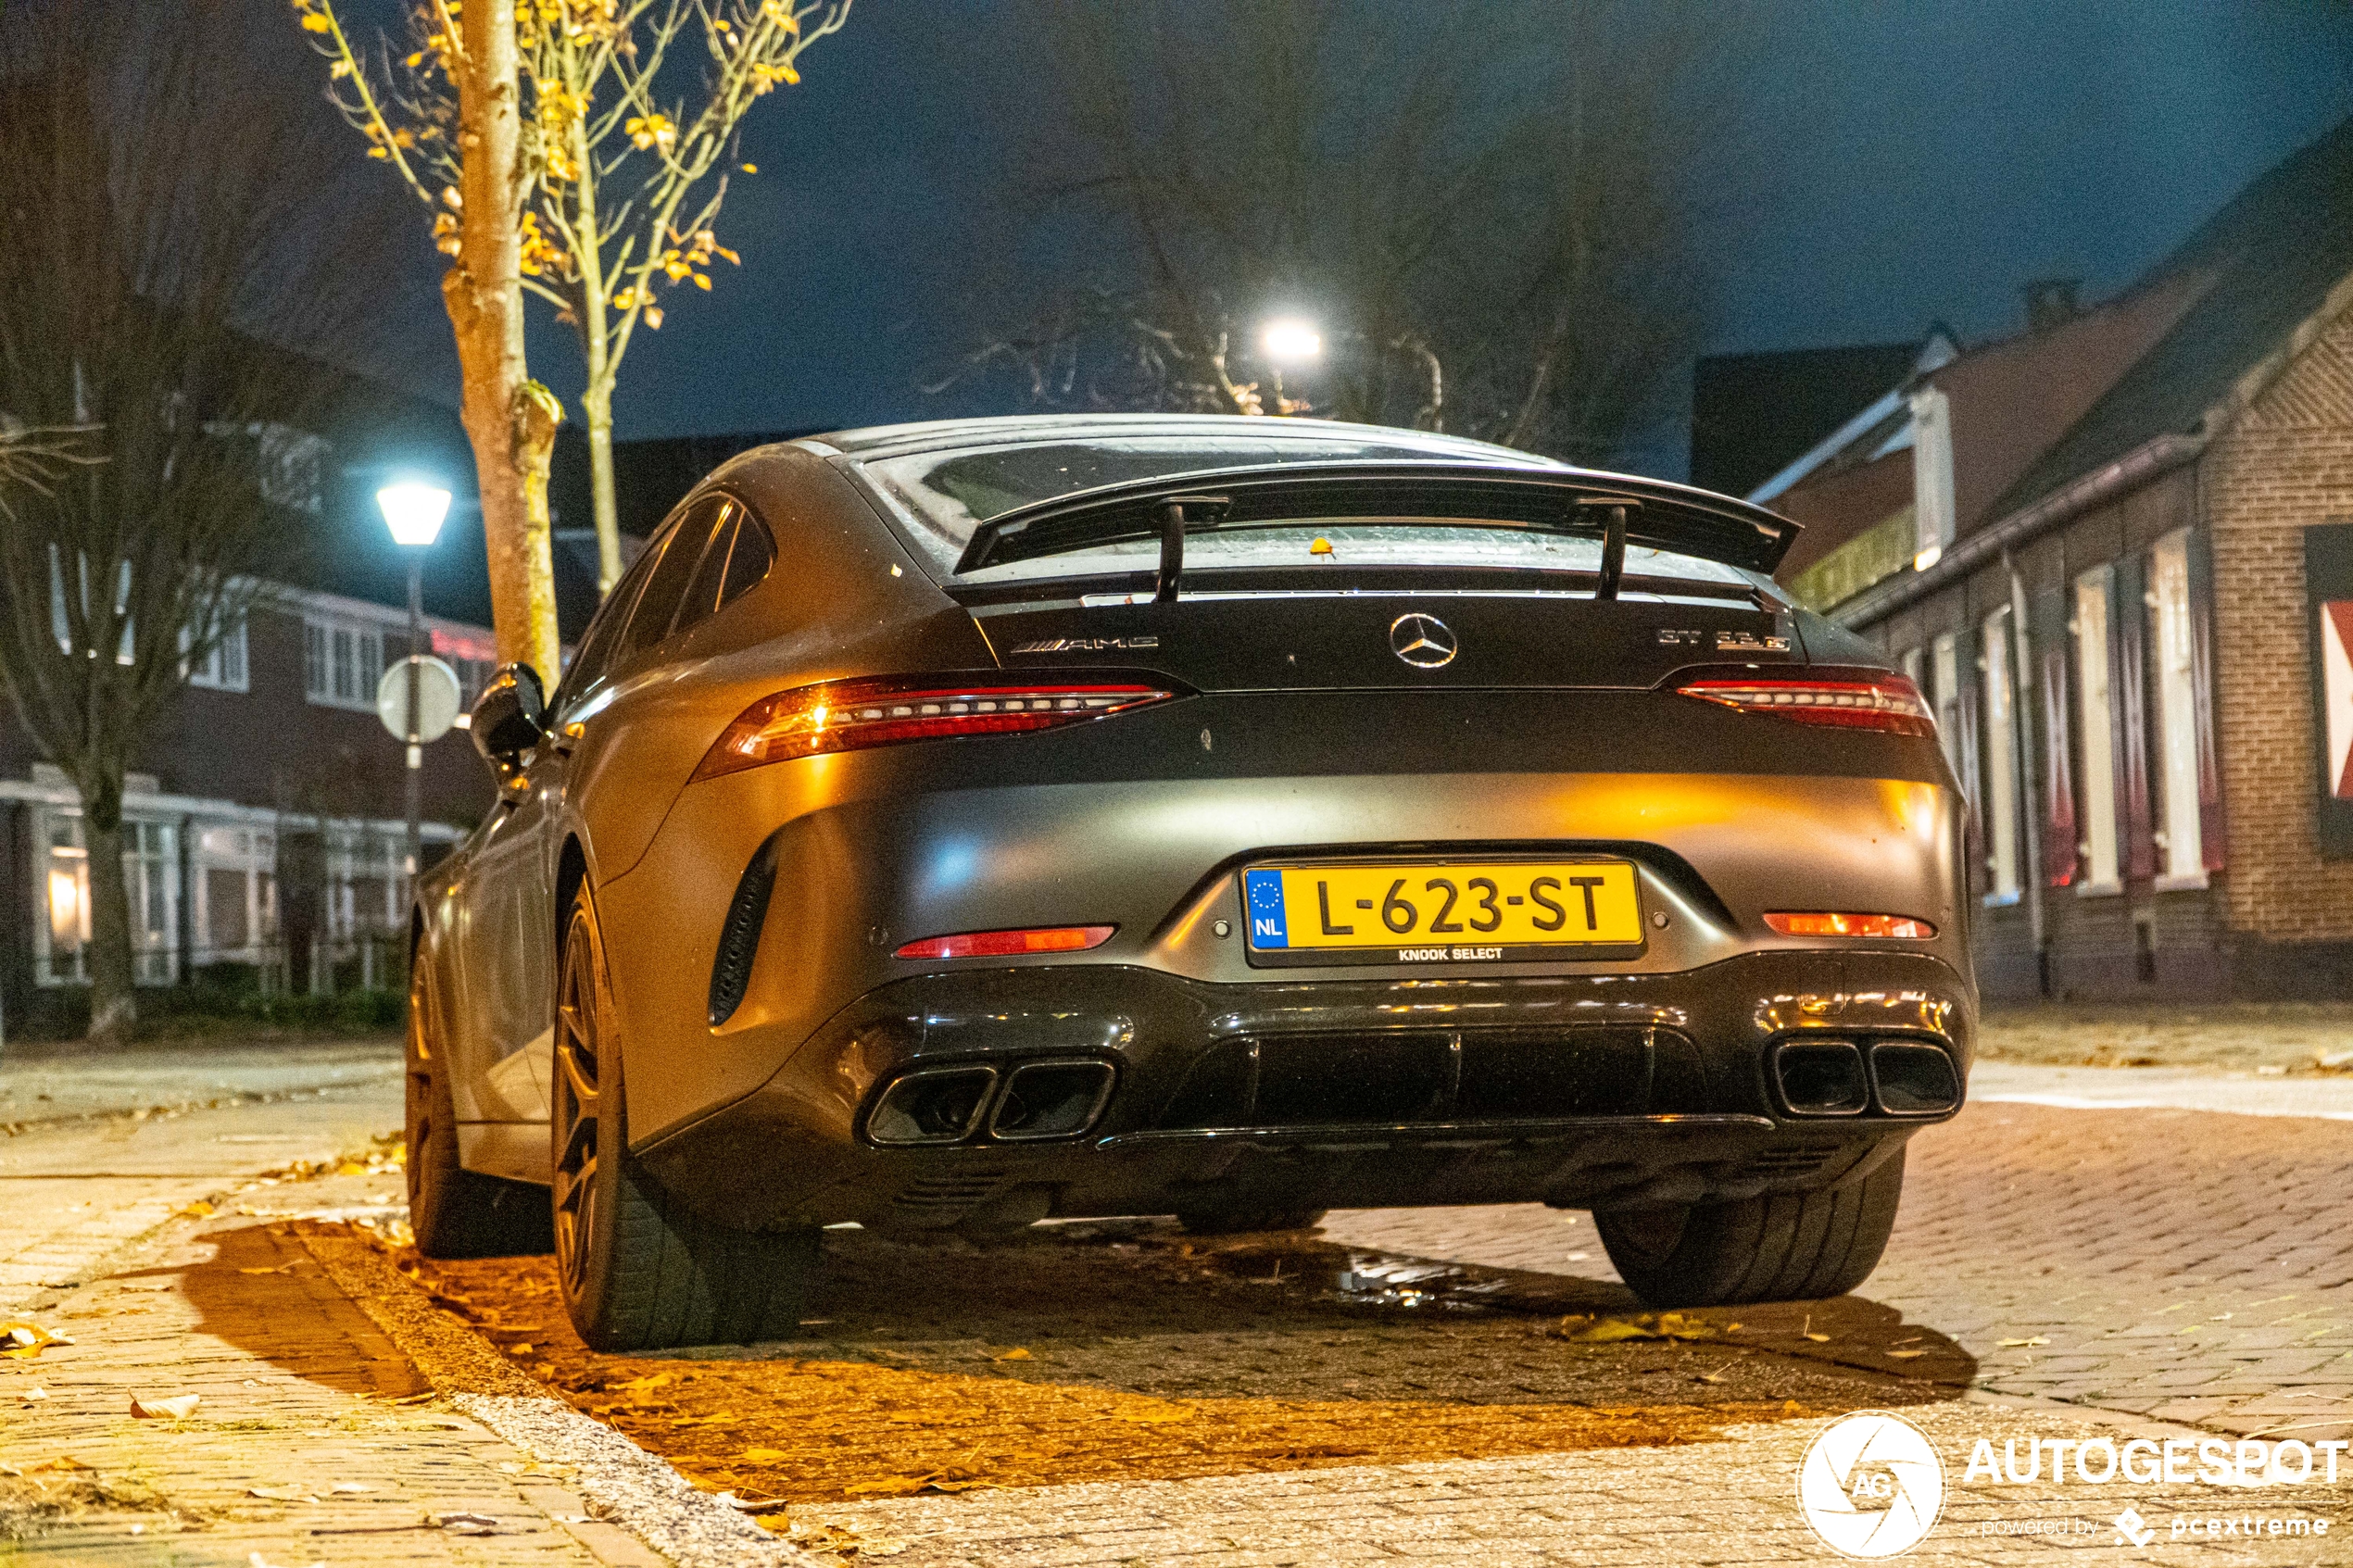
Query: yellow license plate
x,y
1442,913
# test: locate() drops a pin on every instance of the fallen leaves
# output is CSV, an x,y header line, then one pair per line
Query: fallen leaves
x,y
1585,1328
22,1341
2025,1344
177,1408
1018,1353
199,1209
948,1478
1150,1412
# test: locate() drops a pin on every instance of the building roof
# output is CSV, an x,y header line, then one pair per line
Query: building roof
x,y
2274,254
1754,414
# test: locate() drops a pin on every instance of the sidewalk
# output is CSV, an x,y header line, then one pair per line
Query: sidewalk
x,y
2271,1038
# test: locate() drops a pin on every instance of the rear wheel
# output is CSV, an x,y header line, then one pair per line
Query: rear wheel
x,y
455,1212
1234,1222
640,1270
1791,1247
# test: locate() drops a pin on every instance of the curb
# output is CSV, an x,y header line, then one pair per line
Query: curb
x,y
626,1489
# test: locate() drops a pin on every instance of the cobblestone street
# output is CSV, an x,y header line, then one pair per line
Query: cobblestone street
x,y
1398,1386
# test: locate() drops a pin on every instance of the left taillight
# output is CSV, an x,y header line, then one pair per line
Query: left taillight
x,y
854,715
1846,699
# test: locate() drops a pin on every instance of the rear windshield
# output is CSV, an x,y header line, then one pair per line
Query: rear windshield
x,y
942,496
945,496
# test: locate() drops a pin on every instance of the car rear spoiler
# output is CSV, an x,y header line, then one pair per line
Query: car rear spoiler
x,y
1615,509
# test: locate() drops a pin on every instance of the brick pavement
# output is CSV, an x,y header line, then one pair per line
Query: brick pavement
x,y
2182,1265
299,1390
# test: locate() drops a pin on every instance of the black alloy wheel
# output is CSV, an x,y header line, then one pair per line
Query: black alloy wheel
x,y
640,1270
455,1212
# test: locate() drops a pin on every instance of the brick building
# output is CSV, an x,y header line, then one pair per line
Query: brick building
x,y
264,814
2116,550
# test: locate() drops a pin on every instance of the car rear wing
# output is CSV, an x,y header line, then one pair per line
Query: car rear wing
x,y
1614,509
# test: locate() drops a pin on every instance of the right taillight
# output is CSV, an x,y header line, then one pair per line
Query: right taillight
x,y
1847,699
853,715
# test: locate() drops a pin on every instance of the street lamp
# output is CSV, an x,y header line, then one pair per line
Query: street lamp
x,y
1288,340
413,512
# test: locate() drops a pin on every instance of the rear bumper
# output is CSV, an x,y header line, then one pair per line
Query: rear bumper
x,y
1584,1091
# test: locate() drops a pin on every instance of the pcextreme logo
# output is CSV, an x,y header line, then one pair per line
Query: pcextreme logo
x,y
1870,1484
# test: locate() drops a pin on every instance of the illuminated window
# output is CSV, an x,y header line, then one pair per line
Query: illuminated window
x,y
1943,658
2097,730
342,661
151,881
223,667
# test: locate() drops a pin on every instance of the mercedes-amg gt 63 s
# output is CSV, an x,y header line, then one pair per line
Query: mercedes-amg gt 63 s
x,y
947,826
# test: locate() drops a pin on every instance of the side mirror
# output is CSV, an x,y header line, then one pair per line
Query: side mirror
x,y
508,718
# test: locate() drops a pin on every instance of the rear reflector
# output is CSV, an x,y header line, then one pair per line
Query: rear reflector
x,y
1007,944
1902,927
852,715
1854,699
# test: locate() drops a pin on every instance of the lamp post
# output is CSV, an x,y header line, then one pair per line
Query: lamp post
x,y
413,512
1288,340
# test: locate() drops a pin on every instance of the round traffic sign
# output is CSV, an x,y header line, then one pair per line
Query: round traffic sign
x,y
436,697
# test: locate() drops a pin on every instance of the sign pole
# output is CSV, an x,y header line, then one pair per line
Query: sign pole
x,y
414,732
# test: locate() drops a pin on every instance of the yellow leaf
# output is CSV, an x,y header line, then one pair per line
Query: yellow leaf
x,y
351,1168
1154,1413
701,282
653,317
315,22
338,70
765,1456
178,1408
200,1209
1018,1353
751,169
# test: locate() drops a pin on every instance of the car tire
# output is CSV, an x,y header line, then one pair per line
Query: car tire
x,y
1788,1247
455,1212
640,1270
1234,1222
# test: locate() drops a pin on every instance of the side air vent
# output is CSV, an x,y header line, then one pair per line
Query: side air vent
x,y
739,936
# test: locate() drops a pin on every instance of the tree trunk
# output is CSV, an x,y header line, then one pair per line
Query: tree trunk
x,y
599,411
114,1004
484,292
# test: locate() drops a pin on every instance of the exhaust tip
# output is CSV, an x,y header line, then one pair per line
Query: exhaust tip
x,y
1821,1078
939,1106
1052,1100
1913,1078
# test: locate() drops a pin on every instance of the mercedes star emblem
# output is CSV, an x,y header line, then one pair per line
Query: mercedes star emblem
x,y
1422,641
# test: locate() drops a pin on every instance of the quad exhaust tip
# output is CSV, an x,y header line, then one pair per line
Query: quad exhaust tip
x,y
1035,1102
1900,1077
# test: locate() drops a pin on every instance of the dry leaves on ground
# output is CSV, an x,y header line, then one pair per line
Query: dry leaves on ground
x,y
178,1408
1585,1328
22,1341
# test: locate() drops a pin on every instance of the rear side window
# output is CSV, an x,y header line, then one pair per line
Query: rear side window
x,y
603,639
755,552
649,621
739,557
702,594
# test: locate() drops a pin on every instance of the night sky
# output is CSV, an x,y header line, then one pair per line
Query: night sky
x,y
1895,163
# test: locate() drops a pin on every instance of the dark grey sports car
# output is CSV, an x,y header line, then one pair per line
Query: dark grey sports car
x,y
955,825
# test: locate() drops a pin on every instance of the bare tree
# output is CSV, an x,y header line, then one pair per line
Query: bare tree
x,y
177,253
1481,206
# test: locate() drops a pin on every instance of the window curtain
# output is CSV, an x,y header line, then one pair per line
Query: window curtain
x,y
2128,686
2061,856
2210,768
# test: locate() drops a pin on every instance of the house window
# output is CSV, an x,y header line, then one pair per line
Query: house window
x,y
151,877
2097,847
1945,658
2178,838
2001,753
223,666
342,661
1933,517
235,914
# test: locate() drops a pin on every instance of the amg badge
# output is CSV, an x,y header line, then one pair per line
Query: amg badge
x,y
1086,644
